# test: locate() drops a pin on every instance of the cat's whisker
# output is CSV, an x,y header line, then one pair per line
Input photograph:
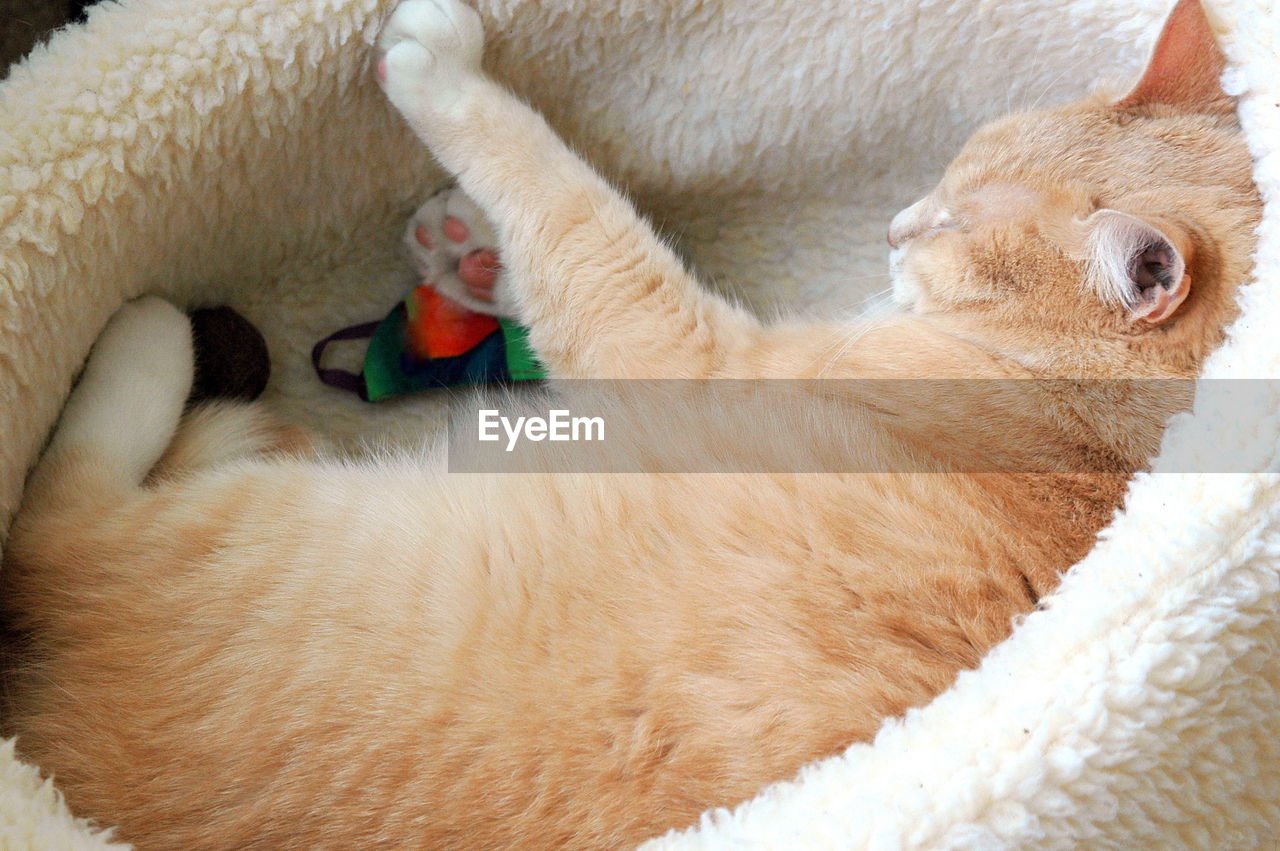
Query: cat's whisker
x,y
845,338
836,338
855,333
1071,68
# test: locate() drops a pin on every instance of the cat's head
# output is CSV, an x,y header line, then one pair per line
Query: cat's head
x,y
1125,221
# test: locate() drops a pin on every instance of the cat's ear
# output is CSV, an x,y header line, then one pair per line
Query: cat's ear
x,y
1186,67
1136,265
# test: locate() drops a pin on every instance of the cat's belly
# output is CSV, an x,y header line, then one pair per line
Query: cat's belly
x,y
346,656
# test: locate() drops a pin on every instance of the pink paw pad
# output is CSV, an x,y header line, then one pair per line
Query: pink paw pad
x,y
423,238
456,230
479,270
381,69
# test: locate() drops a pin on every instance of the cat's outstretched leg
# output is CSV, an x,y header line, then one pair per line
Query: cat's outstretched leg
x,y
603,297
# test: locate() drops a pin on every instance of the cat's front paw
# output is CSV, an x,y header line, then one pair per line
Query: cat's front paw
x,y
454,248
429,48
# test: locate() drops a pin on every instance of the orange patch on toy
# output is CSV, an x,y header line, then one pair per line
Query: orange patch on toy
x,y
440,328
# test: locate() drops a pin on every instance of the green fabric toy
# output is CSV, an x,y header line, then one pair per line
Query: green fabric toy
x,y
427,342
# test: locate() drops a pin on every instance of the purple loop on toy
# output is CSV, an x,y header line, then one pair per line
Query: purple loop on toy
x,y
341,378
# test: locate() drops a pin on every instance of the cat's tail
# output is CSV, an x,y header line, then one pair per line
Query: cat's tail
x,y
122,415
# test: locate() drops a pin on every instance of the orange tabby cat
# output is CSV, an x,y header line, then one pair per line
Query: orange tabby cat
x,y
589,660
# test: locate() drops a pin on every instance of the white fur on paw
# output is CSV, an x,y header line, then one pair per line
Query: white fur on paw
x,y
147,341
133,387
431,48
436,251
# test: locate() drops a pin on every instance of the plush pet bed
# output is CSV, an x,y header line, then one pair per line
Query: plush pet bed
x,y
238,151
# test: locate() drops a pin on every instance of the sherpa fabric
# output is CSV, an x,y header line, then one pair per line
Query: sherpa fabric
x,y
237,151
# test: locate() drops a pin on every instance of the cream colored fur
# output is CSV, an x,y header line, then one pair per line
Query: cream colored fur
x,y
1168,743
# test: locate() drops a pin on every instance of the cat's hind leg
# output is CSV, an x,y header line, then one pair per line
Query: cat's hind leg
x,y
121,416
82,499
600,292
94,507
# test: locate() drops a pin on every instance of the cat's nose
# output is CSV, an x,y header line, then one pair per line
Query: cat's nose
x,y
895,237
925,214
906,224
902,229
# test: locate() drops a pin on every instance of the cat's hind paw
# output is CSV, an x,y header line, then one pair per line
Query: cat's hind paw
x,y
131,393
454,248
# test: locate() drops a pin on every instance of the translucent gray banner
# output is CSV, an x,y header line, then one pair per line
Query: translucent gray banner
x,y
860,426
